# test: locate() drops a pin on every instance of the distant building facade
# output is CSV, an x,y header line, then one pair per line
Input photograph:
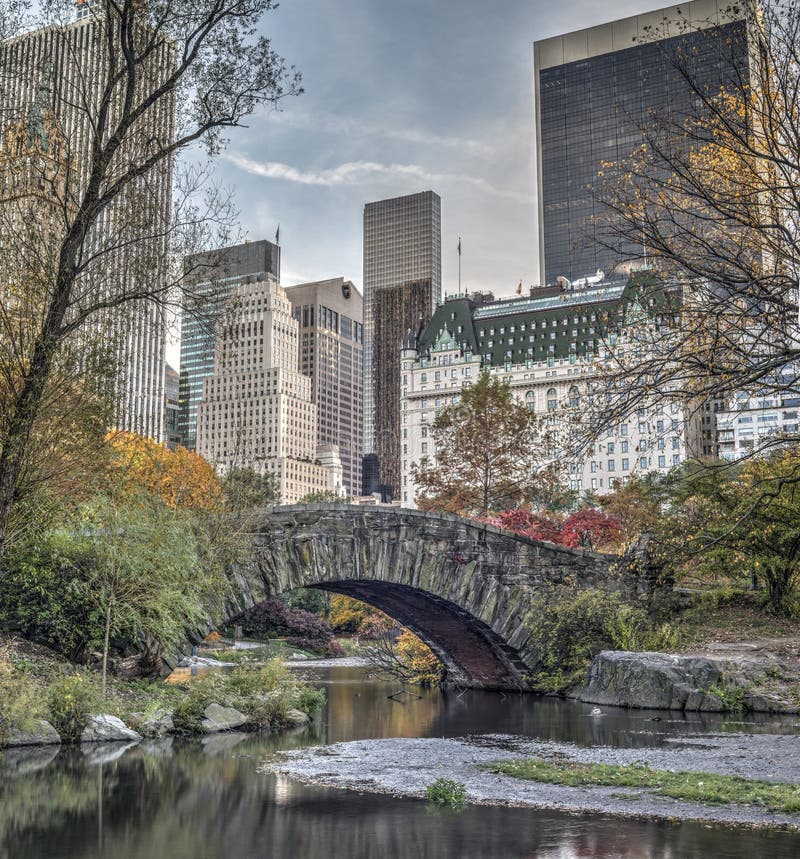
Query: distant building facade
x,y
330,314
209,279
756,422
256,410
546,346
402,278
594,92
172,436
58,71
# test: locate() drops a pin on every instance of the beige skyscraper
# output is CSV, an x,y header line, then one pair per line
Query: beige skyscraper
x,y
59,73
330,315
256,409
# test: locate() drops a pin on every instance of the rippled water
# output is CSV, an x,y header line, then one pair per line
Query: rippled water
x,y
206,800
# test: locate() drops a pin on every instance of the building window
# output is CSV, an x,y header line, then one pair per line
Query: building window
x,y
552,399
625,464
574,398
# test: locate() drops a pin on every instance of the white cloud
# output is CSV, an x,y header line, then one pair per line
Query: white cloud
x,y
351,126
357,172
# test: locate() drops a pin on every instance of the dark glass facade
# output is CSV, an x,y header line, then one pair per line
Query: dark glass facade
x,y
592,111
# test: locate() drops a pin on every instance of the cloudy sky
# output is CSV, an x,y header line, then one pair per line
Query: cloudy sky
x,y
402,96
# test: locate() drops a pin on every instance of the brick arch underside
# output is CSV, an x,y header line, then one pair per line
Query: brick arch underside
x,y
473,654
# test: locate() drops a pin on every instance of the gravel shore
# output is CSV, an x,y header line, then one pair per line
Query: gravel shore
x,y
405,767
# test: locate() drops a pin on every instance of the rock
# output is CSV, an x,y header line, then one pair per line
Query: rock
x,y
157,724
39,733
656,681
297,718
218,718
104,728
203,662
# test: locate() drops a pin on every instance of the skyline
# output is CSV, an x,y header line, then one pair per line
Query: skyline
x,y
376,127
373,125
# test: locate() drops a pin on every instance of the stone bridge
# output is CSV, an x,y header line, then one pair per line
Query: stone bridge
x,y
463,587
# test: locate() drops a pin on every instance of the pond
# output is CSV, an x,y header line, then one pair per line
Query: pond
x,y
172,799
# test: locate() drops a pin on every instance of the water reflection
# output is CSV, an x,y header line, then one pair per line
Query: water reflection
x,y
206,799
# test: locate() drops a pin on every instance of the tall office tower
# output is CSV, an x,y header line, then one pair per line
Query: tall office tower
x,y
330,315
61,70
402,286
208,280
595,90
256,410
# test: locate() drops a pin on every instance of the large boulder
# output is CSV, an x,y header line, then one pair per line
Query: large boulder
x,y
218,718
658,681
37,733
297,718
104,728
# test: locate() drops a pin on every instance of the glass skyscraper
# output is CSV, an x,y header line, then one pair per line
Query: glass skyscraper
x,y
595,90
209,279
402,256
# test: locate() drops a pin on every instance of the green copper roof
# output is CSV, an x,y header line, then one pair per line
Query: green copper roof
x,y
538,328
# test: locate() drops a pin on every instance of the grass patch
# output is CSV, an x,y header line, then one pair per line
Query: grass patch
x,y
692,786
447,793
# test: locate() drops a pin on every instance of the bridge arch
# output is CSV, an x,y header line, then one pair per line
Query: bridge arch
x,y
463,587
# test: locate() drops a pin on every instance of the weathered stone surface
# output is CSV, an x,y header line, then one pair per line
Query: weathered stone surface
x,y
218,718
658,681
156,724
38,733
104,728
464,587
297,718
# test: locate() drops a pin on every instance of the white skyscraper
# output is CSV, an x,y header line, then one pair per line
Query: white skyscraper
x,y
65,66
256,410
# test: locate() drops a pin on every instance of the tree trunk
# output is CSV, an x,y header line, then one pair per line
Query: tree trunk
x,y
105,646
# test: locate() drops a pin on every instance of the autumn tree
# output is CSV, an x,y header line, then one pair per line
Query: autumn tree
x,y
199,64
181,478
587,528
709,203
491,453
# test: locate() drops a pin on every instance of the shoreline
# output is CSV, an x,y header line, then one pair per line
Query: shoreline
x,y
405,767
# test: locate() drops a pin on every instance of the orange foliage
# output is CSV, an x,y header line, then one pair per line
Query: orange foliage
x,y
181,478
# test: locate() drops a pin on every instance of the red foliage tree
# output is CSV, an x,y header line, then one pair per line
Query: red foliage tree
x,y
526,523
591,529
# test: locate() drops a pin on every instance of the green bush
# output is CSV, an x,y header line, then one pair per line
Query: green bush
x,y
20,699
263,694
446,792
569,628
70,701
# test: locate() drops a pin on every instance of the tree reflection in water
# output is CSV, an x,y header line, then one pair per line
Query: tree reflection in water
x,y
203,800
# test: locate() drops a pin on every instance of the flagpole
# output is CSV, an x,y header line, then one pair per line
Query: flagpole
x,y
459,266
